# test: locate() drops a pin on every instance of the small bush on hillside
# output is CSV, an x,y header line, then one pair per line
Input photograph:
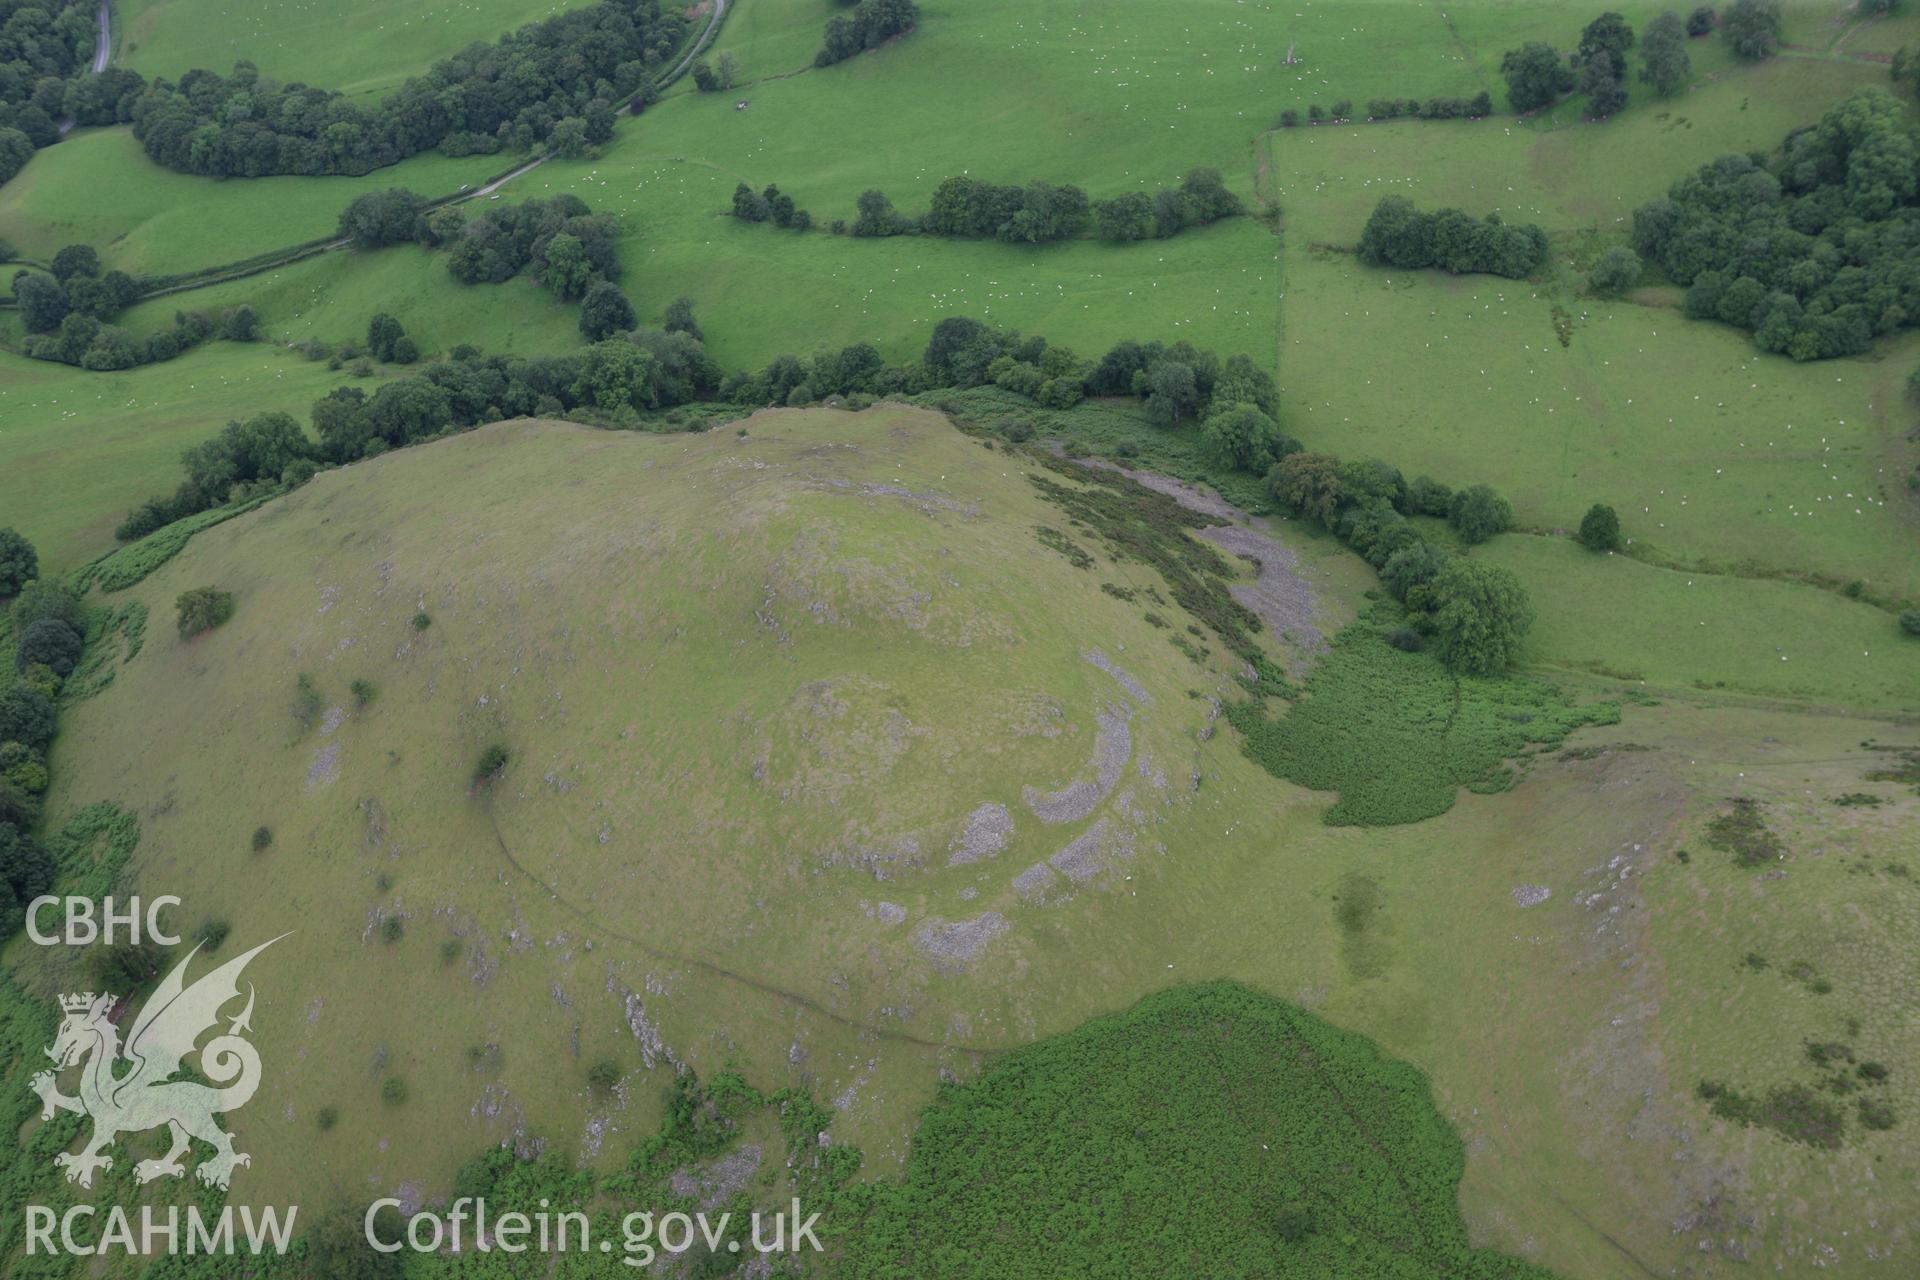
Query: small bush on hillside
x,y
1743,832
19,563
262,837
1482,616
1600,528
26,717
382,332
50,643
603,1076
306,700
1752,28
326,1118
1536,74
1478,513
1700,21
127,968
1794,1112
393,1091
43,599
605,311
1617,271
1910,621
213,933
202,609
392,929
364,692
1663,53
450,950
493,761
240,324
421,621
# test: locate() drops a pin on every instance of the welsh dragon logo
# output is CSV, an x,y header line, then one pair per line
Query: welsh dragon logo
x,y
131,1089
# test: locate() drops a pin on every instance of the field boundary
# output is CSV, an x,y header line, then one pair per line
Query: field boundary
x,y
241,269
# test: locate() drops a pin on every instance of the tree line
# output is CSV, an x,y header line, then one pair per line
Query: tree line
x,y
1037,213
1477,614
771,205
1399,235
1537,74
871,24
49,628
557,82
558,239
1814,249
1478,107
610,381
68,314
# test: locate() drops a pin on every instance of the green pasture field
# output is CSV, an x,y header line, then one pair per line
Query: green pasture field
x,y
671,175
751,684
157,222
1566,177
1714,454
769,40
78,449
356,48
761,292
1614,616
1629,388
1821,29
331,296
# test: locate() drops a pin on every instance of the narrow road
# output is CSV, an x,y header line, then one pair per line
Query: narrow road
x,y
672,75
103,45
713,24
102,50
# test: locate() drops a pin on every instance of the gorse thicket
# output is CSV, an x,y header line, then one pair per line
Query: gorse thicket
x,y
1815,250
557,81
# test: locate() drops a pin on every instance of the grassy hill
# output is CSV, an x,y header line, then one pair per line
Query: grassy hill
x,y
79,449
917,775
761,690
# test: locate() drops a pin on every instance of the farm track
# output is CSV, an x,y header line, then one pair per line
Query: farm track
x,y
300,253
102,50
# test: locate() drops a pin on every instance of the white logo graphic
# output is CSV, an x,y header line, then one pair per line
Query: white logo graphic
x,y
129,1090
